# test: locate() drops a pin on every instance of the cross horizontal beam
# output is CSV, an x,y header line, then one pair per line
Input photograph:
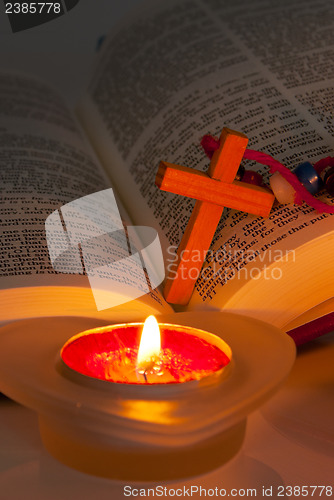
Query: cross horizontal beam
x,y
194,184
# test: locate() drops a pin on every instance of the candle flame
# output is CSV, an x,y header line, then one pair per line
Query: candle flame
x,y
150,344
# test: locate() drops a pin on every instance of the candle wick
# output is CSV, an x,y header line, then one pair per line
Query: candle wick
x,y
145,376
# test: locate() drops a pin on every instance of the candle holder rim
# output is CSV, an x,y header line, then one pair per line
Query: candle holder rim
x,y
208,380
104,329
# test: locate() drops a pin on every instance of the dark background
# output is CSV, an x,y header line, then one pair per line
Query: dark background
x,y
62,50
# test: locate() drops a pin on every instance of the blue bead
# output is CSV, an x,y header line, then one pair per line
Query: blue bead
x,y
308,176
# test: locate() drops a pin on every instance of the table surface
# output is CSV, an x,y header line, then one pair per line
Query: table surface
x,y
296,452
267,459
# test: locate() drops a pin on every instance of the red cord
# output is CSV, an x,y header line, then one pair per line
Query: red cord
x,y
211,144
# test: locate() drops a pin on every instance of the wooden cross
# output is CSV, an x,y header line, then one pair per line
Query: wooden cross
x,y
213,191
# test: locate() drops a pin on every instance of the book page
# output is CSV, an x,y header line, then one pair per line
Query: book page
x,y
45,165
192,68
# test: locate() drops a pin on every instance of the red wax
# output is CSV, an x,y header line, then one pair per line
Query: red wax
x,y
111,354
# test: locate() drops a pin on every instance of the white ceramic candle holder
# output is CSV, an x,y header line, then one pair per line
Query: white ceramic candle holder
x,y
143,432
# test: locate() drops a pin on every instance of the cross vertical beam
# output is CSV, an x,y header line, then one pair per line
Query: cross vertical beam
x,y
204,221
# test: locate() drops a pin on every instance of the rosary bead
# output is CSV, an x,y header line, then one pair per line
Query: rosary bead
x,y
329,181
240,173
282,189
252,177
309,177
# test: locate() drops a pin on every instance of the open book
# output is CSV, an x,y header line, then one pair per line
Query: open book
x,y
166,77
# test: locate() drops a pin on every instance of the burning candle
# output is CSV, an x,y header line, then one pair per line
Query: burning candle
x,y
134,353
137,429
149,353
